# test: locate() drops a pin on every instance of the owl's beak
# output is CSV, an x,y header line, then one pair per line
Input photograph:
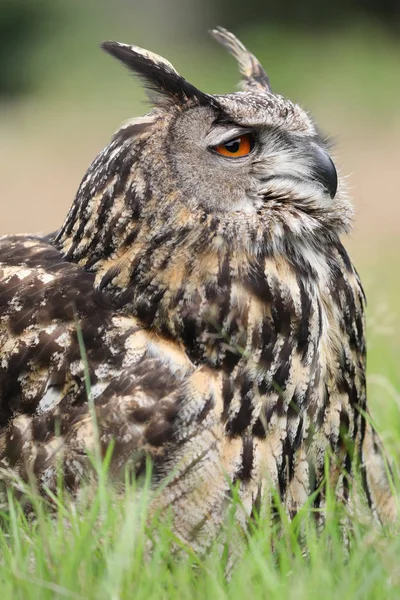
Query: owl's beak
x,y
324,170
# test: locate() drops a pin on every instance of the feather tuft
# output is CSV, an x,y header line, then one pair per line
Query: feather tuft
x,y
158,74
254,76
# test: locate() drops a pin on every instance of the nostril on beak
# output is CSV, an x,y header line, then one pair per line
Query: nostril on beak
x,y
325,170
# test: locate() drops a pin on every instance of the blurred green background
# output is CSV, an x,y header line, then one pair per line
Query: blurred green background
x,y
61,98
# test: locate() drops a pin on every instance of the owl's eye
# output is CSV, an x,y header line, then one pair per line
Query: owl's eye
x,y
240,146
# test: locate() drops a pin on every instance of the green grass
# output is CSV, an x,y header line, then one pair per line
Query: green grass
x,y
99,548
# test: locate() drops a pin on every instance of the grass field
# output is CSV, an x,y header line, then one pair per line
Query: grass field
x,y
99,549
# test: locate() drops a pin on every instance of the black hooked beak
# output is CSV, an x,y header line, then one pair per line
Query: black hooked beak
x,y
324,170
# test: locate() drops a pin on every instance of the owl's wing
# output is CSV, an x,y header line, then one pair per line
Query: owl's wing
x,y
375,466
137,382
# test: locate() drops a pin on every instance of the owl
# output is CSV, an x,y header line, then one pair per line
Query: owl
x,y
196,309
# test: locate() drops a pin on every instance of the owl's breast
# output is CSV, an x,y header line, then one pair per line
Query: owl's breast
x,y
288,349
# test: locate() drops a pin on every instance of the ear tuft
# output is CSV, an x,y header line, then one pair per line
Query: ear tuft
x,y
158,74
254,76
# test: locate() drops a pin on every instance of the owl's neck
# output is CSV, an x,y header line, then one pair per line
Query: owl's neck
x,y
115,198
216,285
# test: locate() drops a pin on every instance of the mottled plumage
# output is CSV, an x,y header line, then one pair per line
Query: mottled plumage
x,y
222,318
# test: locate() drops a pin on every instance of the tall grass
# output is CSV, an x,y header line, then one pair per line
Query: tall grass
x,y
99,547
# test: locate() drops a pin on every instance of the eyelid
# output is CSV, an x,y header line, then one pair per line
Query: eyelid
x,y
221,135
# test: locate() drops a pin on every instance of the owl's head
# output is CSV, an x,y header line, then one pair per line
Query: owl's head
x,y
251,157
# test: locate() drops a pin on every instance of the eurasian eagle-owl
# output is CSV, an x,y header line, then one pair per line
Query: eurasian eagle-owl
x,y
222,320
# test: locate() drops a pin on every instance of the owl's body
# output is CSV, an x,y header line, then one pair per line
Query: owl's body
x,y
222,320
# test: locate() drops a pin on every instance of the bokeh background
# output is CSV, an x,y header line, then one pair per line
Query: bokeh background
x,y
61,98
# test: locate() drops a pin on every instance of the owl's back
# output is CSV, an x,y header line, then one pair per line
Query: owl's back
x,y
61,341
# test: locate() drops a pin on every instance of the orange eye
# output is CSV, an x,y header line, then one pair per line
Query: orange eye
x,y
240,146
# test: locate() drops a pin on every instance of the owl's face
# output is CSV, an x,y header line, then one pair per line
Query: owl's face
x,y
253,149
251,152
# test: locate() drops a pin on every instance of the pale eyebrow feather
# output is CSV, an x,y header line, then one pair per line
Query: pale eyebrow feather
x,y
221,134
